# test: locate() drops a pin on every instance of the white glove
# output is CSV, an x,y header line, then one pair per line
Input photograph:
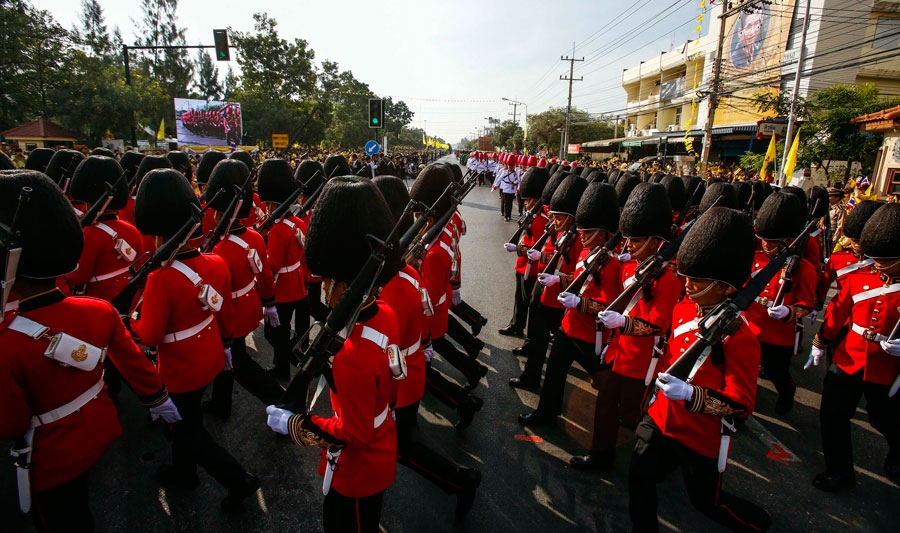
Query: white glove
x,y
624,257
270,315
547,280
674,388
510,247
779,312
228,365
813,315
278,419
569,300
815,355
428,352
611,319
167,411
891,347
456,298
534,255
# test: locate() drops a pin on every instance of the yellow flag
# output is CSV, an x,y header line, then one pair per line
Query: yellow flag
x,y
792,157
424,141
161,134
765,173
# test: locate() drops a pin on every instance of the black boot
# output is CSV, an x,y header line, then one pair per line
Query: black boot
x,y
237,494
525,382
511,331
537,419
468,406
832,482
465,497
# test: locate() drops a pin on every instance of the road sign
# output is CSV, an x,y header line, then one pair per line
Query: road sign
x,y
574,148
279,140
485,144
372,147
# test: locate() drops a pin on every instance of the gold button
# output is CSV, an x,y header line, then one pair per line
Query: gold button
x,y
874,320
876,311
877,302
682,350
865,287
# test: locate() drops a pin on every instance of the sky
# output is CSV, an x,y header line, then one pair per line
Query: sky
x,y
452,62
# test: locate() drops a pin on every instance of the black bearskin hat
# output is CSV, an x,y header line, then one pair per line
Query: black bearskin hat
x,y
578,171
336,165
208,162
6,163
690,188
38,159
675,189
552,168
151,162
801,196
564,168
533,182
397,197
51,234
719,246
62,165
165,201
182,163
91,177
225,176
598,208
612,176
565,199
818,196
243,157
100,150
552,185
625,184
310,169
130,161
456,171
881,237
430,185
720,194
782,216
712,181
656,177
591,174
276,180
857,218
336,245
647,213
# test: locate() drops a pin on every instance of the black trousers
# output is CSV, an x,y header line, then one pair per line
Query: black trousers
x,y
446,391
318,310
461,335
506,206
521,203
520,303
249,374
776,362
467,314
566,351
417,456
656,455
342,514
840,396
280,337
449,352
63,508
619,403
542,320
192,445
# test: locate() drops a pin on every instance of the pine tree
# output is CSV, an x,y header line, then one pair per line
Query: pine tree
x,y
230,85
207,82
93,30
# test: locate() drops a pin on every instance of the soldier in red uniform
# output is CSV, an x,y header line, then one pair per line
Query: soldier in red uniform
x,y
257,212
310,175
130,162
403,294
349,209
284,244
848,260
56,404
866,361
187,313
252,291
532,186
781,219
61,168
683,425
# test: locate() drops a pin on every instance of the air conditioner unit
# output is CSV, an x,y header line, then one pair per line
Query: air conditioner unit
x,y
672,127
632,132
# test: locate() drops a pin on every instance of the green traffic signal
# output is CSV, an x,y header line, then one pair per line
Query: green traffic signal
x,y
374,120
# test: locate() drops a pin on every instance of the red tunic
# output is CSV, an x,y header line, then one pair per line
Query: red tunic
x,y
127,212
629,354
436,272
583,326
835,270
310,277
529,237
171,305
781,332
566,265
735,378
401,294
286,257
255,212
248,307
362,377
31,384
867,302
99,258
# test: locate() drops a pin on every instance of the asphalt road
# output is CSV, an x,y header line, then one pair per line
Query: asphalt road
x,y
527,484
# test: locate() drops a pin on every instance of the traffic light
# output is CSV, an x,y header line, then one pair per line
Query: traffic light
x,y
376,113
221,39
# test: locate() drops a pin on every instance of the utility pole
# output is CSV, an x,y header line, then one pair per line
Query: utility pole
x,y
570,79
788,137
514,104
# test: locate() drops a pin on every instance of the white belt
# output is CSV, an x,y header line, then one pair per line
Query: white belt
x,y
291,268
238,293
765,302
110,275
188,272
187,333
380,419
684,328
868,334
69,408
412,349
853,268
878,291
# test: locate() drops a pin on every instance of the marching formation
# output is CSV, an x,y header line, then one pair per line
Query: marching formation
x,y
672,293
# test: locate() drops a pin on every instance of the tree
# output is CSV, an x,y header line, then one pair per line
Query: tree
x,y
207,82
230,84
93,30
544,129
508,135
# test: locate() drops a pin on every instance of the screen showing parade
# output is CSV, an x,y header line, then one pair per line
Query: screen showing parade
x,y
202,122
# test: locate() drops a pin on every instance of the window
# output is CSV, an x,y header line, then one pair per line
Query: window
x,y
795,34
677,117
887,33
893,181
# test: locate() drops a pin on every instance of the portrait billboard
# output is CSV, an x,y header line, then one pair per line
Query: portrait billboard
x,y
208,122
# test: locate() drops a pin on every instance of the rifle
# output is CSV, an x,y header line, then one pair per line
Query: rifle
x,y
549,231
417,250
279,212
225,221
787,275
101,204
11,248
686,207
748,209
525,222
895,334
563,246
66,173
594,263
160,258
300,211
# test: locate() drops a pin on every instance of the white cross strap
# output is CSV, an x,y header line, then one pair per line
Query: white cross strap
x,y
854,267
106,229
187,333
109,275
71,407
28,327
379,338
447,248
684,328
239,241
412,349
380,419
188,272
876,292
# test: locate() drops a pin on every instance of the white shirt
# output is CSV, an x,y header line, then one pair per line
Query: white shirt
x,y
507,181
